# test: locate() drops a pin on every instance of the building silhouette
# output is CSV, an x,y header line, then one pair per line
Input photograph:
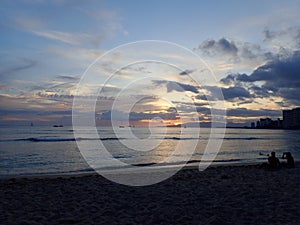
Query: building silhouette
x,y
267,123
291,118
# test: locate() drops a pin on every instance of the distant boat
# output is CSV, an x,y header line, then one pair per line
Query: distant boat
x,y
31,124
58,126
121,127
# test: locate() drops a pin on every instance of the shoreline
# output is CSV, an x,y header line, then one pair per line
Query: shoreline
x,y
188,166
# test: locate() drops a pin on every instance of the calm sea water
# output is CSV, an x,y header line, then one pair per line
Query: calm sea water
x,y
52,150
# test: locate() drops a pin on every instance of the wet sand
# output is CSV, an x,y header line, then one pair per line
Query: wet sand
x,y
240,194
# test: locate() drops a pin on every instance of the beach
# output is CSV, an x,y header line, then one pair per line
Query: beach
x,y
230,194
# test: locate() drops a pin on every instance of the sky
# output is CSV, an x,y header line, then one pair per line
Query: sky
x,y
251,48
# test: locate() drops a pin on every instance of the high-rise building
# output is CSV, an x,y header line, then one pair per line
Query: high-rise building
x,y
291,118
287,116
297,117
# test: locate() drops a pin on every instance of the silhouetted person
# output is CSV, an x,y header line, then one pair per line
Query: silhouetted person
x,y
273,161
289,160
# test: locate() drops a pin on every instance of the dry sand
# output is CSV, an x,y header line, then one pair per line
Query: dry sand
x,y
219,195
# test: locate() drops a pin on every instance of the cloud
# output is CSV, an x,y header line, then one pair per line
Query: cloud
x,y
231,54
176,86
223,45
288,37
65,97
186,72
278,78
81,55
69,38
244,112
31,102
229,79
278,73
23,64
171,114
55,96
45,20
8,116
70,78
282,43
230,94
60,87
233,93
187,107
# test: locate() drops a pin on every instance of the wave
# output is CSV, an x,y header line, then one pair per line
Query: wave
x,y
225,138
179,138
59,139
179,163
244,138
215,161
153,164
46,139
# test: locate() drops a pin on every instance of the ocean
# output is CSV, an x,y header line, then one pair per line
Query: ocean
x,y
41,150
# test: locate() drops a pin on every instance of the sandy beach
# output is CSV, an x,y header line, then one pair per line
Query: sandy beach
x,y
232,194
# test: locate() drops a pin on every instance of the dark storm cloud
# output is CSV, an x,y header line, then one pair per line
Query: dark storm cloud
x,y
176,86
229,79
230,94
280,78
278,73
259,92
233,93
291,94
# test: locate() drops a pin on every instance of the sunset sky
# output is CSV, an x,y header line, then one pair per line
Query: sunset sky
x,y
253,48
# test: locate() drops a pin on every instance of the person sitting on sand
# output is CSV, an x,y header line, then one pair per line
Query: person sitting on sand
x,y
273,161
289,160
